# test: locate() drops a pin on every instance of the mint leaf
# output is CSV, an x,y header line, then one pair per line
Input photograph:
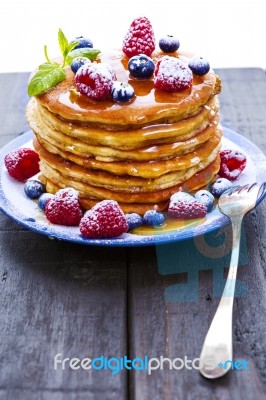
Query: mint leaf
x,y
83,52
48,75
51,73
63,43
71,46
48,66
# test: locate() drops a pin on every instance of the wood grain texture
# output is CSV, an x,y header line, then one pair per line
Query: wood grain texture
x,y
175,289
82,301
56,297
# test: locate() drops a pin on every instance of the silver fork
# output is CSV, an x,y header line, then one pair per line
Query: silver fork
x,y
217,347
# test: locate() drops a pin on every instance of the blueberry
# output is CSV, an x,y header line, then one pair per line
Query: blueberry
x,y
122,91
83,42
141,66
33,189
199,66
134,220
205,197
43,199
220,186
153,218
169,44
181,196
78,62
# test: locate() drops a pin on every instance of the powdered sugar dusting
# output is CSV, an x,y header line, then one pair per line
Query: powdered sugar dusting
x,y
105,219
139,38
95,80
172,75
14,202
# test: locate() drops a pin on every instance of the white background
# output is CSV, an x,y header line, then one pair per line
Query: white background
x,y
228,33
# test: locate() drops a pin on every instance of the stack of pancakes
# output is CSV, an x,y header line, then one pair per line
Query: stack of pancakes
x,y
137,153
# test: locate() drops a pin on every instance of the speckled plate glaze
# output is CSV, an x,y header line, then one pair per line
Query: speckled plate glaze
x,y
24,211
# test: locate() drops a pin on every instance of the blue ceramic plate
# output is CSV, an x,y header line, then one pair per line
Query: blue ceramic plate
x,y
24,211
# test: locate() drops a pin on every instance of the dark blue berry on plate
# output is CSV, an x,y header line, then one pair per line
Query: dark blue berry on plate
x,y
205,197
134,220
169,44
153,218
141,66
43,199
78,62
220,186
33,189
83,42
199,66
122,91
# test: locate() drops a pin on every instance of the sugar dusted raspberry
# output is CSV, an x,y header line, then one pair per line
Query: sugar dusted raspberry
x,y
233,163
172,75
95,80
140,38
22,164
186,209
64,208
104,220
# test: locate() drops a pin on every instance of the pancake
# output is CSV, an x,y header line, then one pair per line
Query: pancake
x,y
148,170
200,179
138,153
108,154
120,139
123,183
150,105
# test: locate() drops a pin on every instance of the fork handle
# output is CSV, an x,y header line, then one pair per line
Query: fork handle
x,y
217,347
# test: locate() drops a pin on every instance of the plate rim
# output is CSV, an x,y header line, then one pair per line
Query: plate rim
x,y
126,240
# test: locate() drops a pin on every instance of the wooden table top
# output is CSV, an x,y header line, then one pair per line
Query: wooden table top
x,y
87,302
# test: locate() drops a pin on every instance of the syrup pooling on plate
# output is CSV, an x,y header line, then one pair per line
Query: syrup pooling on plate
x,y
170,225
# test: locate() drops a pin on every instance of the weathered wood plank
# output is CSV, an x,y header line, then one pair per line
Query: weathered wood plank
x,y
175,289
13,100
56,297
63,298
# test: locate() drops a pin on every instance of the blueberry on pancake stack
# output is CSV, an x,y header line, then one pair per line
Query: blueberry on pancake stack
x,y
134,125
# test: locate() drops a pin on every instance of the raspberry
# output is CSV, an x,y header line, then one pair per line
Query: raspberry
x,y
22,164
95,80
64,208
186,209
233,163
104,220
139,39
172,75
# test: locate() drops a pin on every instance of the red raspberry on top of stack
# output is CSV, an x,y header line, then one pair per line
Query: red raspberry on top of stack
x,y
139,38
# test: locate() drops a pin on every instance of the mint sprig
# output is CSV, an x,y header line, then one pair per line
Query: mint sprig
x,y
51,73
83,52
